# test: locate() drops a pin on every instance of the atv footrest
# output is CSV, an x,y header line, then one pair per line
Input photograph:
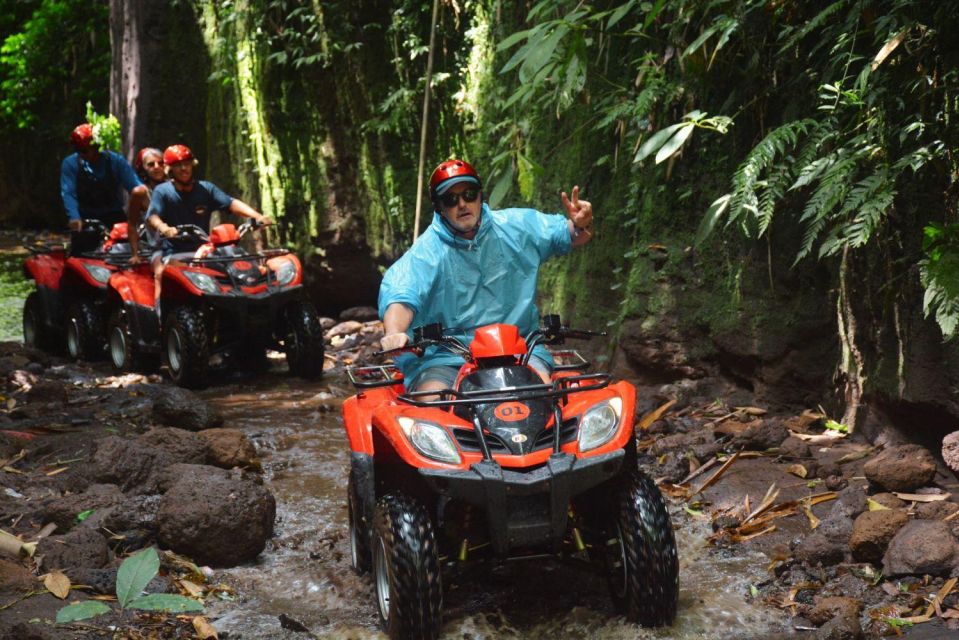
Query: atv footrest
x,y
526,508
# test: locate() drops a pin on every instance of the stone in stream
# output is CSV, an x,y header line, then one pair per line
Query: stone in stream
x,y
228,448
182,408
132,465
904,467
873,530
214,517
922,547
62,511
184,446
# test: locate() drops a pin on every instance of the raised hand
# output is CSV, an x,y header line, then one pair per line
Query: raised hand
x,y
580,212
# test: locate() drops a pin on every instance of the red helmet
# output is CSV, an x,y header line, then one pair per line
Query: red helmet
x,y
452,172
177,153
82,136
138,161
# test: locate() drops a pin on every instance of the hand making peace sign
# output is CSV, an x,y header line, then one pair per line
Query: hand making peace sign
x,y
580,212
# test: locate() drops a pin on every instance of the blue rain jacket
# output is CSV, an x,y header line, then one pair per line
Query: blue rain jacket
x,y
464,284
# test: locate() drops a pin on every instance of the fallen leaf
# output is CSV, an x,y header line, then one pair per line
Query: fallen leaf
x,y
797,470
875,506
203,628
56,471
921,497
9,469
887,48
935,605
192,588
653,416
58,584
771,494
823,438
753,411
719,472
813,520
951,613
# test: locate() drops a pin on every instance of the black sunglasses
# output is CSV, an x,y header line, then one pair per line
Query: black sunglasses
x,y
452,199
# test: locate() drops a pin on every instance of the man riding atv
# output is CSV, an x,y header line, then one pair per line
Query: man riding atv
x,y
184,200
472,267
90,184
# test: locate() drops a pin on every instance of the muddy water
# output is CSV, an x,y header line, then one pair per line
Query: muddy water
x,y
305,575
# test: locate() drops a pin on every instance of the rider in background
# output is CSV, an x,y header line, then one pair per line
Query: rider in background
x,y
149,166
473,266
90,186
185,200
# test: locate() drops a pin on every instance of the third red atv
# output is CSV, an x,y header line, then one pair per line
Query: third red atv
x,y
501,466
68,304
218,300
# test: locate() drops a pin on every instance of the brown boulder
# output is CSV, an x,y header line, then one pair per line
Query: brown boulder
x,y
361,314
228,448
936,510
833,607
921,547
761,435
63,511
794,449
872,531
817,549
888,500
14,577
82,547
185,446
344,329
214,518
131,464
176,407
904,467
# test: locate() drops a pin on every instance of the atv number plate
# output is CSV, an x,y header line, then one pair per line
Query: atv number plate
x,y
511,411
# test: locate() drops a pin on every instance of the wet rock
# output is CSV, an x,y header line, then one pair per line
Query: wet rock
x,y
850,502
14,577
936,510
63,511
228,448
182,408
185,446
834,481
837,527
888,500
795,449
950,450
681,442
293,624
705,452
341,343
921,547
102,581
842,628
872,531
197,473
133,465
901,468
82,547
675,467
135,512
817,549
220,521
47,391
761,435
360,314
832,607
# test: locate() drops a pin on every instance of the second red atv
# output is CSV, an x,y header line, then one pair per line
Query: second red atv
x,y
501,466
67,307
219,300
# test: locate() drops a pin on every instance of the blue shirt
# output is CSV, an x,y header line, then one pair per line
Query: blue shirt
x,y
119,171
465,284
187,207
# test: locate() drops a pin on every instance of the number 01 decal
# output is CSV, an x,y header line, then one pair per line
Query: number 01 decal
x,y
511,411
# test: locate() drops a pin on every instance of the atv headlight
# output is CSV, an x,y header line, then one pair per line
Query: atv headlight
x,y
431,440
98,273
202,281
599,423
285,272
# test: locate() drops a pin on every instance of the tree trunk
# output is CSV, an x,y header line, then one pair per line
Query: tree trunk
x,y
125,35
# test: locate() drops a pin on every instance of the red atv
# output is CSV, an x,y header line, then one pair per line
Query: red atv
x,y
502,466
217,301
68,304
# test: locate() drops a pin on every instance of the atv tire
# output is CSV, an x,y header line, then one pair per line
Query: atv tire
x,y
406,570
36,332
303,340
360,556
186,348
639,553
124,354
84,332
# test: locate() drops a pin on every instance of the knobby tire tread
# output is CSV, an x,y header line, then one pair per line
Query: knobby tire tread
x,y
90,343
195,348
416,594
651,556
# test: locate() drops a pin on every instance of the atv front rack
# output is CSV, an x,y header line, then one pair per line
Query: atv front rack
x,y
373,376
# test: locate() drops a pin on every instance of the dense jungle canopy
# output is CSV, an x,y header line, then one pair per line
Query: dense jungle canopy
x,y
774,182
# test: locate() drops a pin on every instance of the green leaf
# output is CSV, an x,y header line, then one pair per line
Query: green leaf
x,y
134,575
674,143
81,611
166,602
655,141
501,189
619,13
83,515
713,214
541,54
832,425
511,40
